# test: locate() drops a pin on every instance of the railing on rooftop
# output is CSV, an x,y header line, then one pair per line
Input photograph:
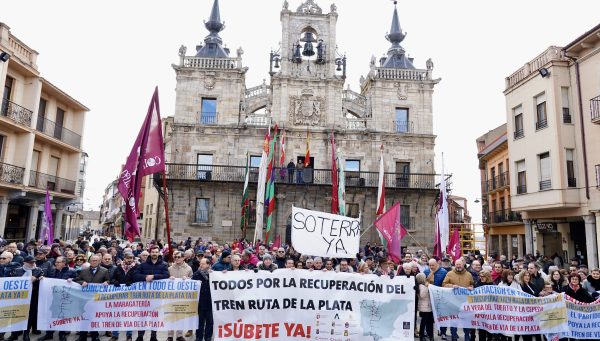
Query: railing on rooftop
x,y
306,176
403,74
16,112
257,91
552,53
59,132
210,63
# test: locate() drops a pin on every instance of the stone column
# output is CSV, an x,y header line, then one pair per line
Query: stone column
x,y
529,249
3,212
500,243
58,222
590,241
34,208
509,249
520,245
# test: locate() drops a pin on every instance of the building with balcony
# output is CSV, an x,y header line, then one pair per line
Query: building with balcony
x,y
41,129
505,229
218,120
554,138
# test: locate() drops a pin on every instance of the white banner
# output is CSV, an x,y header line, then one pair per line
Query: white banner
x,y
15,298
158,305
324,234
498,310
311,305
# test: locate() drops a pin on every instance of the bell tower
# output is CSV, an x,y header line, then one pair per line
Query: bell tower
x,y
307,72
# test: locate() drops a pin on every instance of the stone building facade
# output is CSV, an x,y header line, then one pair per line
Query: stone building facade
x,y
219,120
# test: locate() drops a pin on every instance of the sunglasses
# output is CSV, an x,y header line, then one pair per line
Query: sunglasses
x,y
3,258
177,257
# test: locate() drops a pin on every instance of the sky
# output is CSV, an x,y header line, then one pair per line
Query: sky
x,y
111,54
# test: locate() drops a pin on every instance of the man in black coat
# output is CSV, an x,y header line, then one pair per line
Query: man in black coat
x,y
60,270
205,316
152,270
30,269
94,274
124,274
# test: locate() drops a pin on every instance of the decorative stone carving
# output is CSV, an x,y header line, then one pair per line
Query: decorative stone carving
x,y
285,4
182,51
309,7
402,91
429,64
306,110
209,82
333,8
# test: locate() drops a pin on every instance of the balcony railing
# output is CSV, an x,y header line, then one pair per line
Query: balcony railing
x,y
208,118
356,124
541,124
306,176
545,184
572,182
11,174
567,116
403,126
499,181
53,183
210,63
255,120
519,133
521,189
59,132
503,216
408,222
595,109
16,112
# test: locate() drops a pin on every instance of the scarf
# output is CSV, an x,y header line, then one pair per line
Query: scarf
x,y
574,287
126,267
594,282
204,274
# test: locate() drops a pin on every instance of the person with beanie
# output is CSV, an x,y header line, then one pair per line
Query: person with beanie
x,y
224,262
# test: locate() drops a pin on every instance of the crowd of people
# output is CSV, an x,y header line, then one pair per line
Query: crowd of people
x,y
113,262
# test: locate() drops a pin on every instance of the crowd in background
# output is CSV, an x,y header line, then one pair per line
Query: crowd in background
x,y
113,262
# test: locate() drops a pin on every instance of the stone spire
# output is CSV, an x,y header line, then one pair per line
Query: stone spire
x,y
213,43
396,57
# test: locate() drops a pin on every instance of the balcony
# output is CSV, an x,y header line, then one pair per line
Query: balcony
x,y
308,176
51,182
572,182
16,113
57,131
545,185
498,182
208,118
567,116
408,223
403,127
521,189
504,216
539,125
519,133
595,109
11,174
252,120
356,124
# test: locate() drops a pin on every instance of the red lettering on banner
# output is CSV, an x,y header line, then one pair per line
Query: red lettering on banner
x,y
240,330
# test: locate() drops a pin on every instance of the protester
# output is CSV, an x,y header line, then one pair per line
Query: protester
x,y
179,269
576,291
267,264
592,283
459,278
224,262
280,258
205,316
124,275
424,308
94,274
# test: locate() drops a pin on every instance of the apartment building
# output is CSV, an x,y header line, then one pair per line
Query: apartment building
x,y
41,131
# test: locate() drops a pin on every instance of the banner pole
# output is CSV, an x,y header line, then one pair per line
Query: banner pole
x,y
367,230
166,197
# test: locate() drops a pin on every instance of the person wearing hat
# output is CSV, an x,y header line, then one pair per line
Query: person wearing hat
x,y
30,269
267,264
41,261
224,262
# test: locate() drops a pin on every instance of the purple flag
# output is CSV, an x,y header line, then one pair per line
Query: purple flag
x,y
47,233
146,157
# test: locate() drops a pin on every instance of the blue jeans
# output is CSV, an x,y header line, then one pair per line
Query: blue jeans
x,y
454,333
128,333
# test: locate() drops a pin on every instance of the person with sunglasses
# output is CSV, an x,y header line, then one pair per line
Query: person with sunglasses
x,y
280,258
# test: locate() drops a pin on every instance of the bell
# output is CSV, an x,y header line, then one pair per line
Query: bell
x,y
308,46
277,63
297,55
339,67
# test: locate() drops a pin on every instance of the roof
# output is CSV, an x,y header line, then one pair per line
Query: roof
x,y
71,101
212,43
494,145
581,37
396,57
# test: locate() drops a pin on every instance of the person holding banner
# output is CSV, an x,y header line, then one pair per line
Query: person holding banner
x,y
60,270
123,274
94,274
179,269
459,278
576,291
205,315
424,308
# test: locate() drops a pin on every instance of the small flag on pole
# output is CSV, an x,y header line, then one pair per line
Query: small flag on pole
x,y
307,156
47,233
245,199
389,225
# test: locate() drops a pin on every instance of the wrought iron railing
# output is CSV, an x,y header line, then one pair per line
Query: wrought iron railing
x,y
403,126
499,181
541,124
567,116
545,184
521,189
306,176
16,112
11,174
595,109
57,131
572,182
53,183
208,118
503,216
519,133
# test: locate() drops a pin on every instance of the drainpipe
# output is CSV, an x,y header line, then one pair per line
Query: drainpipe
x,y
585,162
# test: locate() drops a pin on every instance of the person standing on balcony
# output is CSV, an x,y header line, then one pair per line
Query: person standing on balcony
x,y
290,168
300,173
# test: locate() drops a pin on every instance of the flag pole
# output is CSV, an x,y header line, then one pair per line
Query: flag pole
x,y
166,197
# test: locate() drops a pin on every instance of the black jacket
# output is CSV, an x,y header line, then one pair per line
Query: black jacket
x,y
160,270
581,294
205,301
12,269
64,273
120,277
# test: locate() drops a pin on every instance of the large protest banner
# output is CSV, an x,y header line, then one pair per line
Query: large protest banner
x,y
15,298
323,234
300,305
158,305
584,319
498,310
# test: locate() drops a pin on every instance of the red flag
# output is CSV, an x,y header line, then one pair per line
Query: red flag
x,y
307,156
454,246
277,243
437,250
146,157
390,226
335,204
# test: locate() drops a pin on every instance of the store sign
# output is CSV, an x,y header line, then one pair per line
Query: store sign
x,y
546,227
